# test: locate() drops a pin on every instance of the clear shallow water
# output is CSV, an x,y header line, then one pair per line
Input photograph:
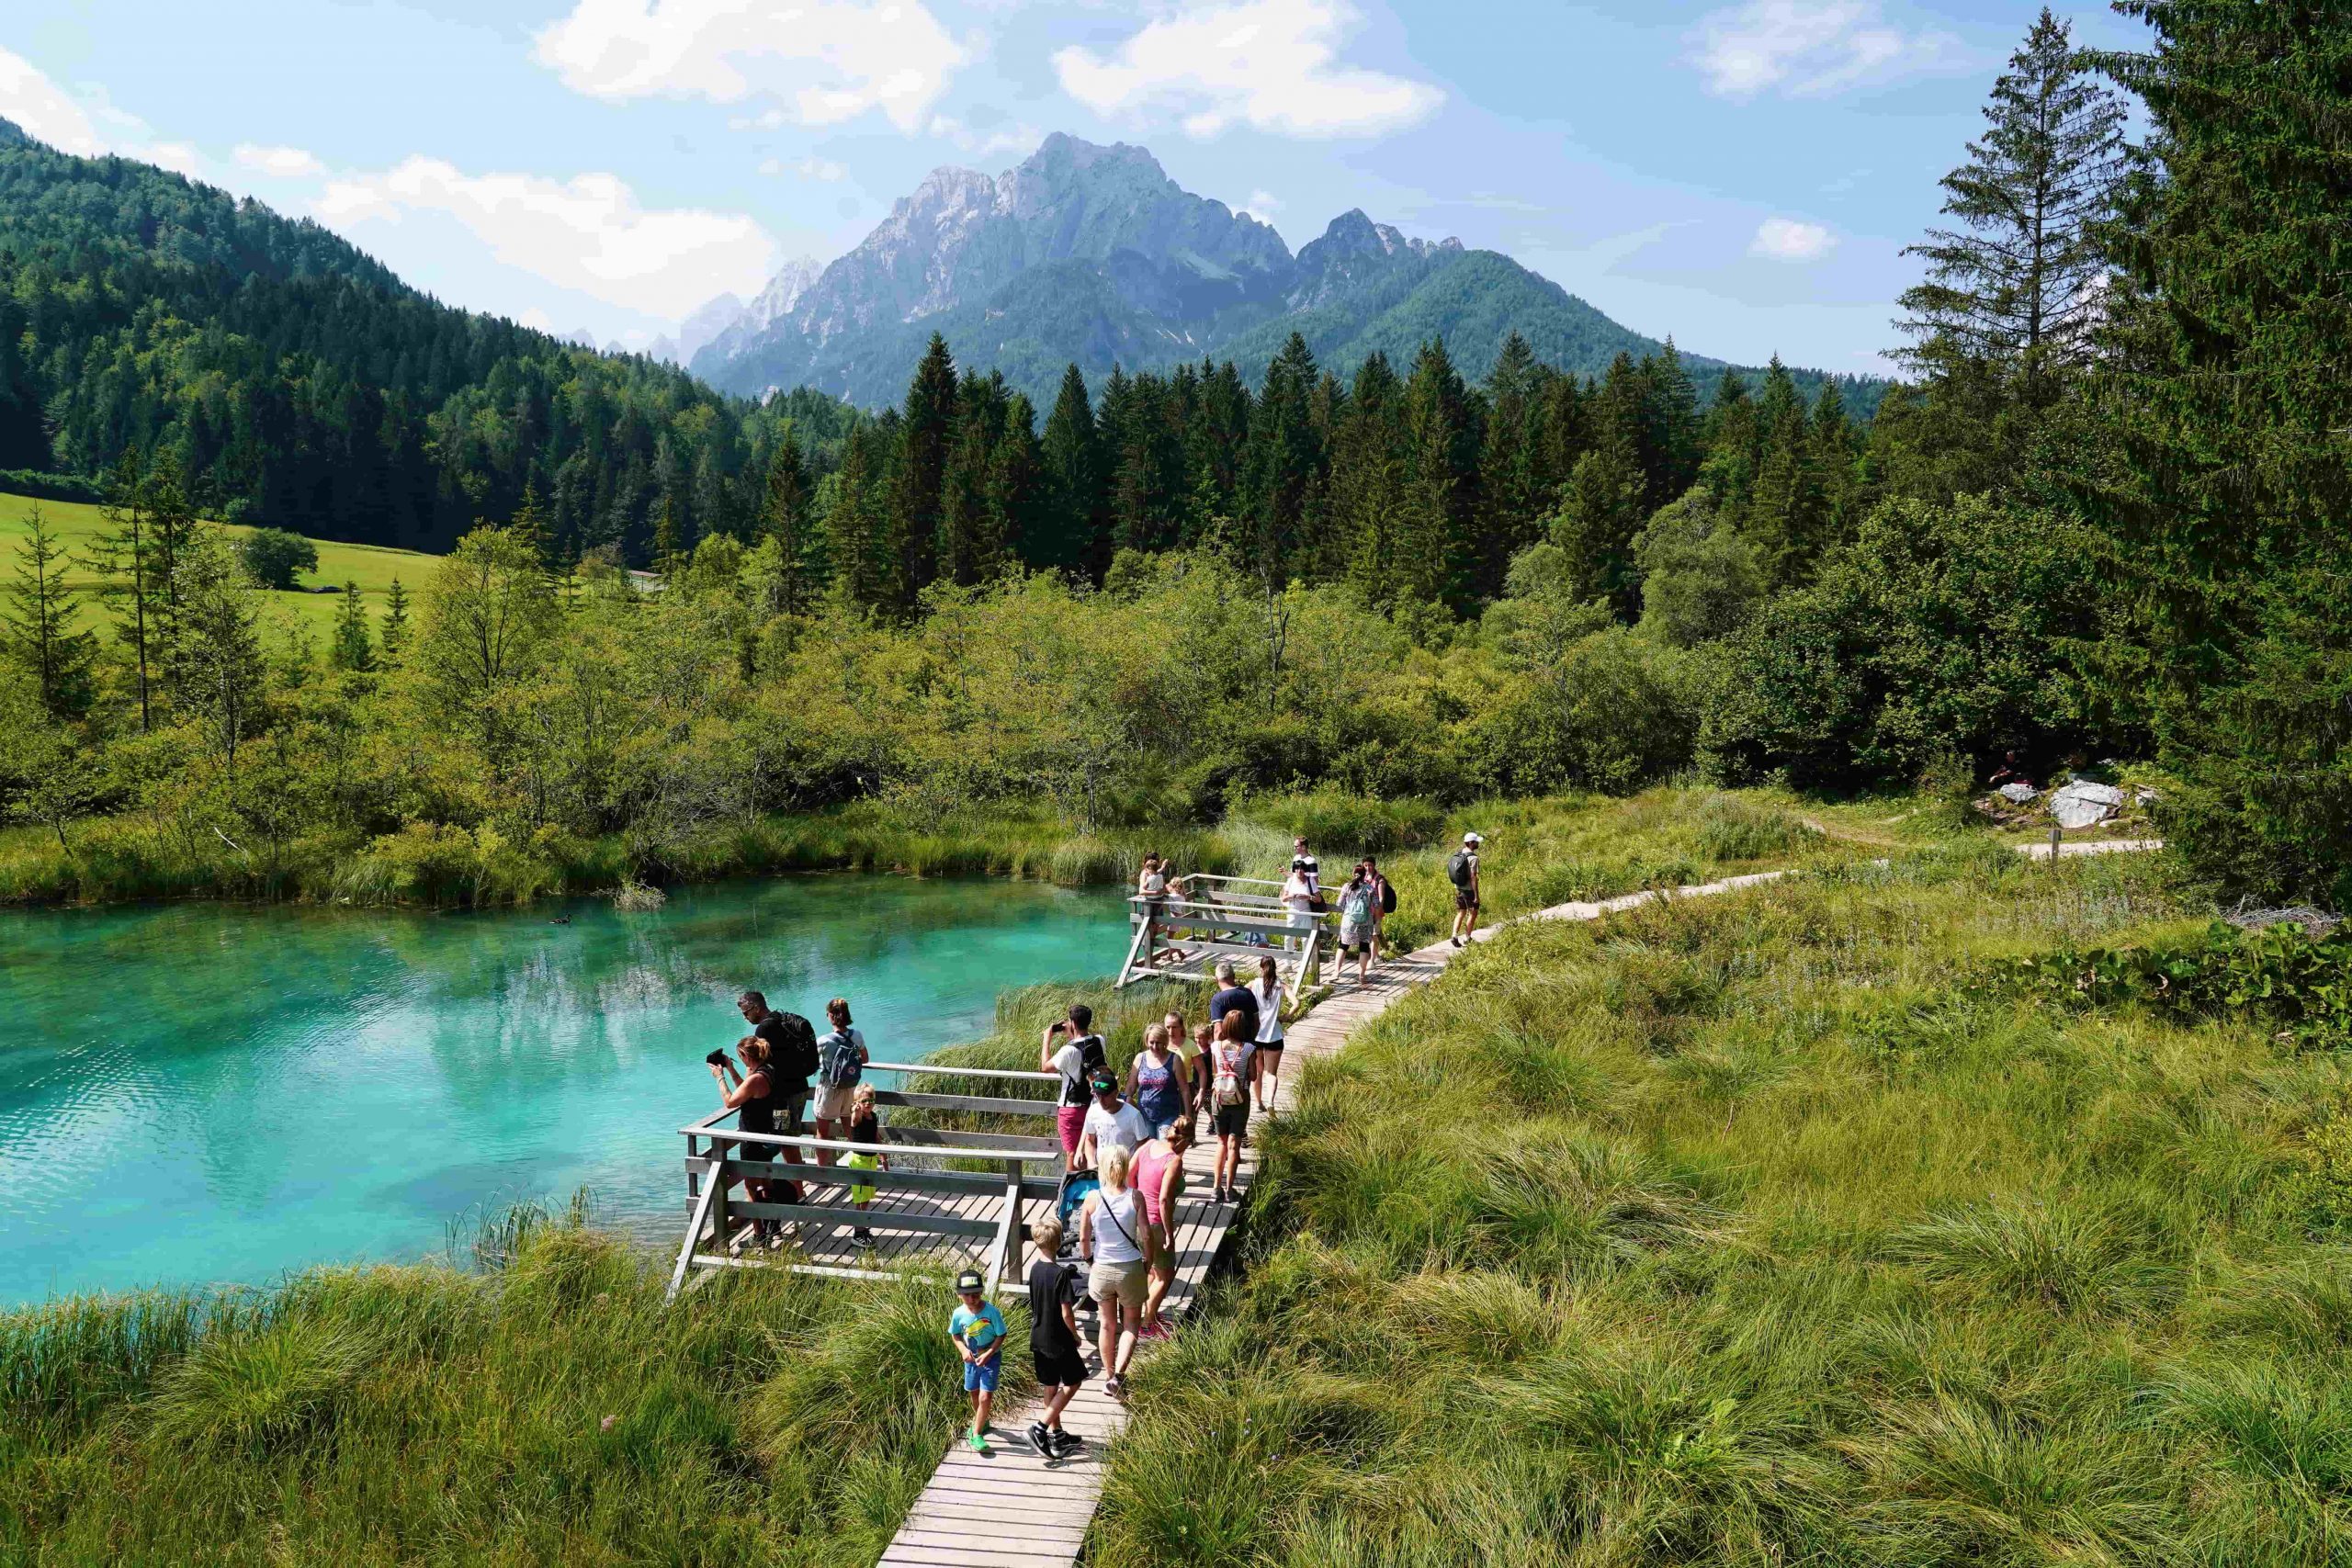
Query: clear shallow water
x,y
202,1093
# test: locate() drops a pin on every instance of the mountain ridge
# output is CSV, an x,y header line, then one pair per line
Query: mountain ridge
x,y
1090,254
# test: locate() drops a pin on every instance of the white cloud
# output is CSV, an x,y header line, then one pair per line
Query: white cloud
x,y
176,156
807,168
975,143
1262,206
284,162
1808,49
586,233
1791,240
824,61
1270,64
44,110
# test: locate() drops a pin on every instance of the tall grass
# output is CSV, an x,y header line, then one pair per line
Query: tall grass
x,y
552,1410
1741,1232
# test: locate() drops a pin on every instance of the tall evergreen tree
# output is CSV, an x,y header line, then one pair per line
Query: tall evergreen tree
x,y
39,628
216,668
392,640
1070,503
132,576
857,526
2018,282
788,517
1438,553
920,476
1507,461
1368,467
2230,498
351,648
1015,482
1281,466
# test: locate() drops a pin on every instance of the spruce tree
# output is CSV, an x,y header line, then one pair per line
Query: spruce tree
x,y
857,527
2229,496
132,574
217,669
788,517
1071,481
350,648
1016,479
38,628
1506,461
1437,548
2018,281
926,436
391,640
1368,468
1280,464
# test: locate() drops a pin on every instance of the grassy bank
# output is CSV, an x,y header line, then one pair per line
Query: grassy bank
x,y
1760,1230
550,1410
1539,851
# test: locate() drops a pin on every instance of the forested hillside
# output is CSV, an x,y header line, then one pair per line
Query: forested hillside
x,y
292,380
2107,519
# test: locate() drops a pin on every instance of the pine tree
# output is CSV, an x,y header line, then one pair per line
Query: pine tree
x,y
392,639
920,477
1368,466
38,628
132,574
351,648
788,517
1436,549
217,669
1669,444
2228,495
1734,442
1279,467
1785,515
1070,507
970,550
1600,512
1016,478
669,537
857,528
1506,462
2019,282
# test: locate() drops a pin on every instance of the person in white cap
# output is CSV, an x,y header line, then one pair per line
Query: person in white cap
x,y
1463,871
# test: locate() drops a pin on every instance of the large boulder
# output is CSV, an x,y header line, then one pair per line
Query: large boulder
x,y
2085,805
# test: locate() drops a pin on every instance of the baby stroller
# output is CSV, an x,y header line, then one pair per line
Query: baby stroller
x,y
1076,1186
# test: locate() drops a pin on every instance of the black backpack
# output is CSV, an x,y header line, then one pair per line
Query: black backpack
x,y
799,1053
1458,869
1387,898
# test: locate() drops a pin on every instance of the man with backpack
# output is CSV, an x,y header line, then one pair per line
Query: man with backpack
x,y
1463,872
792,1060
841,1061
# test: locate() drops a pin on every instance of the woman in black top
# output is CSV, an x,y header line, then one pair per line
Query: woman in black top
x,y
750,1094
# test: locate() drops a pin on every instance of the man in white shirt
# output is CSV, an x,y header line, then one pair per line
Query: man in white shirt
x,y
1110,1119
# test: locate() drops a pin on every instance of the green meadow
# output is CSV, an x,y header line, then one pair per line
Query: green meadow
x,y
372,567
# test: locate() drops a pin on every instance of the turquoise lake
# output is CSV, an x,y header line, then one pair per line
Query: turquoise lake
x,y
200,1093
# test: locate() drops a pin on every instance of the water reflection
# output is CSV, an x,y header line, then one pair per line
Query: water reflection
x,y
201,1092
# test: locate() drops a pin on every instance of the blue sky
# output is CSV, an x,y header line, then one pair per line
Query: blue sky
x,y
1741,176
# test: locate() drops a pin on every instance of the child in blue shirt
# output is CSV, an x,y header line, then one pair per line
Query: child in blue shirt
x,y
978,1328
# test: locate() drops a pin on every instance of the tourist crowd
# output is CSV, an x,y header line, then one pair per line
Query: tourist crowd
x,y
1123,1137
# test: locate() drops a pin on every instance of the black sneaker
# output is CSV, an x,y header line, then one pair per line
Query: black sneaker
x,y
1066,1442
1041,1439
861,1233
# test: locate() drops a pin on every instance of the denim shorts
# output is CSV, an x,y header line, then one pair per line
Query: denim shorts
x,y
979,1377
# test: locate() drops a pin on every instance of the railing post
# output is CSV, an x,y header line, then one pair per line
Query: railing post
x,y
1014,1233
719,1151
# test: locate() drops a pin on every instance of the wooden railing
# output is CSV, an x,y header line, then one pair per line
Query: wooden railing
x,y
717,1157
1225,921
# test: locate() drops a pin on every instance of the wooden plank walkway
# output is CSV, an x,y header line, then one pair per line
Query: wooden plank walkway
x,y
1014,1509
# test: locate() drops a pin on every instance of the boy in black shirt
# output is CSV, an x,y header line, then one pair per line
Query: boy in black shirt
x,y
1053,1338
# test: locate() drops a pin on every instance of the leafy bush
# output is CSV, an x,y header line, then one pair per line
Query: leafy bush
x,y
2279,973
1938,626
1700,579
273,556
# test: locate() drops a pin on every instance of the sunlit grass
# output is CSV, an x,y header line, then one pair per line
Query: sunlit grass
x,y
1744,1231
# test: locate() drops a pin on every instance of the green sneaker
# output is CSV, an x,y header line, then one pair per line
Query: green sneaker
x,y
979,1444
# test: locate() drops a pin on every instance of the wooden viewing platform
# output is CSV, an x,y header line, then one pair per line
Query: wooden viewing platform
x,y
1202,918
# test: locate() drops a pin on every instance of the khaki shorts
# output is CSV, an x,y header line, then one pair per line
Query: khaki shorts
x,y
834,1101
1109,1283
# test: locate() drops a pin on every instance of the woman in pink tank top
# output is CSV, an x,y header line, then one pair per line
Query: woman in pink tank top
x,y
1160,1178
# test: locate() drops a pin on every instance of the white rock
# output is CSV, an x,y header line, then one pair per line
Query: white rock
x,y
2085,805
2017,792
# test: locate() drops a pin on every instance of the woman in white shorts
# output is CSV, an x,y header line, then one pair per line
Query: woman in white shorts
x,y
1115,1233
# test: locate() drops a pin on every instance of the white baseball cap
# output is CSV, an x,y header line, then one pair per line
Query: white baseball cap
x,y
1472,839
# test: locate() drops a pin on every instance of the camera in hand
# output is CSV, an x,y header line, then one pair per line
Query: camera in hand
x,y
716,1058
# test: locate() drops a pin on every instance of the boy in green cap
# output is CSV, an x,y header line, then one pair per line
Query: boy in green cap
x,y
978,1328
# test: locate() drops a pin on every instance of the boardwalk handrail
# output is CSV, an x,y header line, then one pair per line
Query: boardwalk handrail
x,y
961,1072
843,1146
